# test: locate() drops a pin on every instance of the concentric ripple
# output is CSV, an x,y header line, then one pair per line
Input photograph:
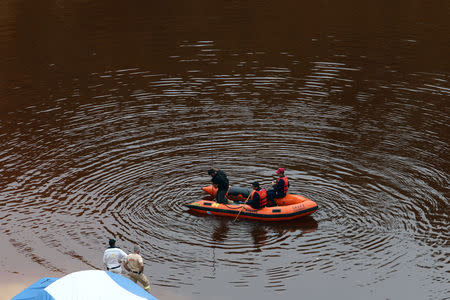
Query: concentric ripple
x,y
125,168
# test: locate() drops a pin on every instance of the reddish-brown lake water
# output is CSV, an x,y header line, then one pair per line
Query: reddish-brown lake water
x,y
111,114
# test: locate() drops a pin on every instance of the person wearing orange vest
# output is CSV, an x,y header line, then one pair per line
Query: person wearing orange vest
x,y
279,188
258,196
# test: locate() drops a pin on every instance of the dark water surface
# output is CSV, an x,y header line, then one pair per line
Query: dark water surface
x,y
111,113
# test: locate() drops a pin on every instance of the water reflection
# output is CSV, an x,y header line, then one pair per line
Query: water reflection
x,y
259,235
257,230
220,231
305,224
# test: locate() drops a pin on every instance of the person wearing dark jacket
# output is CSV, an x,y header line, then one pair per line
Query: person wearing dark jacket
x,y
279,188
259,196
220,181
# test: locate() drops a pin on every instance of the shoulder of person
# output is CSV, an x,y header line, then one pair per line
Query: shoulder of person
x,y
222,173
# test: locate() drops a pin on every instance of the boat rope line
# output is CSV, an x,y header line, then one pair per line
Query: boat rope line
x,y
251,214
212,150
228,205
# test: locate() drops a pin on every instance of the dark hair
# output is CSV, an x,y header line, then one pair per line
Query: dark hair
x,y
211,171
256,184
112,242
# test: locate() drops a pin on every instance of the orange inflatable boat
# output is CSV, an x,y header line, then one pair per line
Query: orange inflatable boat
x,y
290,207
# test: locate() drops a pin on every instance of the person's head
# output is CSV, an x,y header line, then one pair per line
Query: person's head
x,y
112,242
280,172
137,249
212,172
255,185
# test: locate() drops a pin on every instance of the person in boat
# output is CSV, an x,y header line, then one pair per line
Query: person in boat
x,y
220,181
113,257
134,264
279,188
258,196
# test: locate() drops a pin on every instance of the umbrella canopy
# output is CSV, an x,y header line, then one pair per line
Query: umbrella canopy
x,y
91,284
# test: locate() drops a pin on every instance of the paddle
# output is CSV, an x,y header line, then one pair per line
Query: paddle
x,y
251,192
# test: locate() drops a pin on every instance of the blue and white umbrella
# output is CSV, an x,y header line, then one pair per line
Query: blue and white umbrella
x,y
91,284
